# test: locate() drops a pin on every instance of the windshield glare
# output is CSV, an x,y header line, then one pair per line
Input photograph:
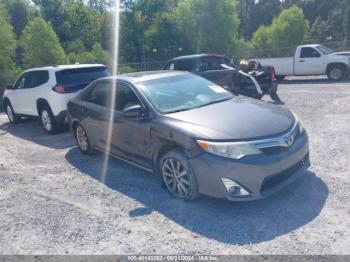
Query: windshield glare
x,y
183,92
325,50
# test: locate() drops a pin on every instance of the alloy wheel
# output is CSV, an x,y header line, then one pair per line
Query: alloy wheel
x,y
9,113
82,139
176,177
336,73
46,120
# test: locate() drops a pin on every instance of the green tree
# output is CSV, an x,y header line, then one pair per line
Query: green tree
x,y
209,26
41,45
288,29
7,49
20,13
262,38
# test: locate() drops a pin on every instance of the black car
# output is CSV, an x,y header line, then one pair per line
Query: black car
x,y
220,70
198,136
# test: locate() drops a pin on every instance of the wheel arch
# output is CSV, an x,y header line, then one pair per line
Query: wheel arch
x,y
333,64
163,150
40,103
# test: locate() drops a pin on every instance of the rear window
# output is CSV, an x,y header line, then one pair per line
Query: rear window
x,y
80,76
213,62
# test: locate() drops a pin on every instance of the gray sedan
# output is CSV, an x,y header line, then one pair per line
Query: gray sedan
x,y
196,135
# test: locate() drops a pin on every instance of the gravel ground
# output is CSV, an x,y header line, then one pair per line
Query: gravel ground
x,y
52,200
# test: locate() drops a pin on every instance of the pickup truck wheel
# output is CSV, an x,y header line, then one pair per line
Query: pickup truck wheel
x,y
336,73
280,78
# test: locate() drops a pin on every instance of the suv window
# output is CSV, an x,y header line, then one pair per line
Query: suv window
x,y
125,97
99,94
80,77
307,52
213,63
20,83
185,65
37,78
32,79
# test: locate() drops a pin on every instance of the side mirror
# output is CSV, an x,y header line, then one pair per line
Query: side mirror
x,y
316,54
133,111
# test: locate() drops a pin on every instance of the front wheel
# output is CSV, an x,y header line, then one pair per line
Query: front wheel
x,y
178,175
11,115
336,73
83,140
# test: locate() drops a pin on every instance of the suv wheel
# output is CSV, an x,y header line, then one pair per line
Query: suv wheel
x,y
336,73
12,116
178,175
82,139
47,120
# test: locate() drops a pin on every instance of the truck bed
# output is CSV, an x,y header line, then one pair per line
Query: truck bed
x,y
284,66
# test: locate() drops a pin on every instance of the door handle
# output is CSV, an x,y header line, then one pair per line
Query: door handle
x,y
301,61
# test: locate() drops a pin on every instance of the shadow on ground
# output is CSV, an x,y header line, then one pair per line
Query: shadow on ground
x,y
30,129
233,223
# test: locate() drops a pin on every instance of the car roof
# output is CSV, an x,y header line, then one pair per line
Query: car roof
x,y
145,76
63,67
197,56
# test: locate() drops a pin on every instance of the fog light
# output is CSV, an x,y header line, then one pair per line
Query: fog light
x,y
233,188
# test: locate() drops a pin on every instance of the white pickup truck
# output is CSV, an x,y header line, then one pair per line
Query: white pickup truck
x,y
311,60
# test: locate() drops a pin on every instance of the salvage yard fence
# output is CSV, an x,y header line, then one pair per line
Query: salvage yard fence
x,y
244,53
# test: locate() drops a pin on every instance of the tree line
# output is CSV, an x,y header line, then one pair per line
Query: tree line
x,y
41,32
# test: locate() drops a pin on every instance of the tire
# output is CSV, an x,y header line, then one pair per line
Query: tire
x,y
83,140
48,120
280,78
336,73
178,175
11,114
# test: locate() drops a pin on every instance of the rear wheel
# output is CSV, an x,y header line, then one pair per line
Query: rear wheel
x,y
48,120
178,175
336,72
11,115
82,140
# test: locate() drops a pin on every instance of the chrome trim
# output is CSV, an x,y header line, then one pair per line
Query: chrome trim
x,y
285,140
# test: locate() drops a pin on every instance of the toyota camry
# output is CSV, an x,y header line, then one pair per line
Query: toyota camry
x,y
200,138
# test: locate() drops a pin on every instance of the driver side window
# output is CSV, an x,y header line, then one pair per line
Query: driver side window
x,y
125,97
309,52
20,83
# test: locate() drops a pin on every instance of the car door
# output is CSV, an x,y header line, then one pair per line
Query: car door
x,y
310,62
211,69
18,94
95,113
27,91
131,136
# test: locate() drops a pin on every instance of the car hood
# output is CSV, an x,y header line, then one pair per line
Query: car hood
x,y
346,53
235,119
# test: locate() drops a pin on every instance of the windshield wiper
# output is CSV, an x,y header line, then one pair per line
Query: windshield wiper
x,y
215,102
179,110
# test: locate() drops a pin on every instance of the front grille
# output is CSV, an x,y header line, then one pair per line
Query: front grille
x,y
274,150
273,180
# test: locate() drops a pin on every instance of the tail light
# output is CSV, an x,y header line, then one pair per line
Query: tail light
x,y
59,89
273,74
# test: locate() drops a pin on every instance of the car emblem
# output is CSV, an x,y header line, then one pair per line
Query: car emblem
x,y
288,140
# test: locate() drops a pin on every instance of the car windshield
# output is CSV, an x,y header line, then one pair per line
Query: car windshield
x,y
325,50
182,92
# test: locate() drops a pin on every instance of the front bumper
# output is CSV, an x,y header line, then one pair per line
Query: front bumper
x,y
261,175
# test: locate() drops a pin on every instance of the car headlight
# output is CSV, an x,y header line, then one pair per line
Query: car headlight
x,y
300,123
235,150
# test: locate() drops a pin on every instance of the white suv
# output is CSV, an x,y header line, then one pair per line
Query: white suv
x,y
45,92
